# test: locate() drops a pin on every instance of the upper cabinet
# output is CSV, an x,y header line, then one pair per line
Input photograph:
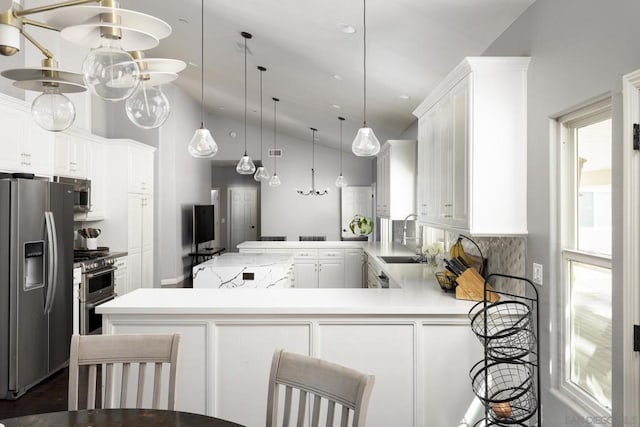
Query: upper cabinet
x,y
71,155
25,147
395,182
140,169
472,142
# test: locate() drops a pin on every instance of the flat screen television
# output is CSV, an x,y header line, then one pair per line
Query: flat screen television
x,y
203,224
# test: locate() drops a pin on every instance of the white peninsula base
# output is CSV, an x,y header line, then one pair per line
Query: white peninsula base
x,y
417,342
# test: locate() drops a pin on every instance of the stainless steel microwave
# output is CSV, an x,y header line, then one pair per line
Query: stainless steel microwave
x,y
81,192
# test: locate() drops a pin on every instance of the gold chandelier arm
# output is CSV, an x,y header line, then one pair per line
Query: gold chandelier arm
x,y
53,7
34,42
27,21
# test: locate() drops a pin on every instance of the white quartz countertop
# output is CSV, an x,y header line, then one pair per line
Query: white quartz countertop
x,y
418,294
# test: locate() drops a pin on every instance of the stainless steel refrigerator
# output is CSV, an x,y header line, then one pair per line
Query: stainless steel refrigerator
x,y
36,275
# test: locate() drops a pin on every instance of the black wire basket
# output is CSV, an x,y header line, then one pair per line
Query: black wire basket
x,y
506,389
504,328
488,423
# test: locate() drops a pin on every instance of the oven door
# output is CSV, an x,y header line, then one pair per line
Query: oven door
x,y
97,284
90,321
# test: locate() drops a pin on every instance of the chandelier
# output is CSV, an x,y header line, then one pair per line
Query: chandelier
x,y
313,191
109,71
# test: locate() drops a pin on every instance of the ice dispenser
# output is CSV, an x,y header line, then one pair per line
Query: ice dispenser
x,y
34,264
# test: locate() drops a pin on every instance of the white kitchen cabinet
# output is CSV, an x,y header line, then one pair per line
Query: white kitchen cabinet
x,y
120,277
70,155
140,170
140,241
395,188
331,273
25,146
472,149
353,268
305,273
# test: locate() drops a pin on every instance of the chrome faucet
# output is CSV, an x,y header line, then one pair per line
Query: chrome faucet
x,y
404,228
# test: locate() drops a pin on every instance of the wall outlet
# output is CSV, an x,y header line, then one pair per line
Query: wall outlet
x,y
537,274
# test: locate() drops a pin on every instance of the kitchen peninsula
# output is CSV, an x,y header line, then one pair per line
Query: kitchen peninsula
x,y
413,337
249,271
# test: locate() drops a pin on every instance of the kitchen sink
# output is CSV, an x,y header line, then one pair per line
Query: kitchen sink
x,y
400,259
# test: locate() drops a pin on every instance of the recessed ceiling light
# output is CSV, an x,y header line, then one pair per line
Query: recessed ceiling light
x,y
336,106
337,76
184,21
346,28
404,97
193,64
233,134
221,107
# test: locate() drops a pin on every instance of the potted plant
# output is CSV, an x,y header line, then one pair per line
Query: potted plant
x,y
361,225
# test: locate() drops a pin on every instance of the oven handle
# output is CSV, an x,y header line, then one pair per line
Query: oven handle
x,y
95,274
92,305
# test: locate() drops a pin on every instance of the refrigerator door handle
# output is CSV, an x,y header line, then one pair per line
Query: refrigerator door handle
x,y
52,271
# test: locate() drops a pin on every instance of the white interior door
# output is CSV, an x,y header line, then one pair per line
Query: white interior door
x,y
215,201
356,200
243,215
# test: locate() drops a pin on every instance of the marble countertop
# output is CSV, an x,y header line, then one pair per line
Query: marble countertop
x,y
418,294
234,259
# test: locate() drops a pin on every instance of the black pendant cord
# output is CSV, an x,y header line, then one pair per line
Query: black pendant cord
x,y
245,96
202,66
275,158
262,69
364,38
341,120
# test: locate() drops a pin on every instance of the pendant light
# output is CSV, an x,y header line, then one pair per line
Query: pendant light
x,y
365,142
275,180
262,174
202,145
340,181
245,165
312,191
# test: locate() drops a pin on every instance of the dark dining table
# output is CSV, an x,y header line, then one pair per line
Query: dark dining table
x,y
118,418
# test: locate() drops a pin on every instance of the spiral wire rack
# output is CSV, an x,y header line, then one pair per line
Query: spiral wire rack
x,y
507,379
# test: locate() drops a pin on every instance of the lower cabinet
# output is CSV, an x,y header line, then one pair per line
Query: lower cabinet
x,y
319,268
420,363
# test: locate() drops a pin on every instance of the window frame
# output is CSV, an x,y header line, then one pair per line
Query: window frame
x,y
566,126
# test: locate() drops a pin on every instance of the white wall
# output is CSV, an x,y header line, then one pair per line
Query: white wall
x,y
579,50
283,211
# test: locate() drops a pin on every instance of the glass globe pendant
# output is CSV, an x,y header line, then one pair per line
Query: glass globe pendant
x,y
202,144
365,142
148,107
110,72
52,110
262,174
245,165
274,181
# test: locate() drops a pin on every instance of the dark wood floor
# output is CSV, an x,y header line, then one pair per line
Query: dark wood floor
x,y
48,396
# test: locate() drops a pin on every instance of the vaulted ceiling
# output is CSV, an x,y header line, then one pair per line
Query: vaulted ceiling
x,y
314,67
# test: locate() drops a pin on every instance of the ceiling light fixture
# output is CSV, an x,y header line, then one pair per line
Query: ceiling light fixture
x,y
245,165
340,181
346,28
148,107
312,191
202,145
275,181
262,174
109,70
365,142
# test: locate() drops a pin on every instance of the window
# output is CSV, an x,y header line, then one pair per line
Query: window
x,y
586,241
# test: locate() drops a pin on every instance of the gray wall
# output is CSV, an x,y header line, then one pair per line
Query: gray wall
x,y
579,49
223,177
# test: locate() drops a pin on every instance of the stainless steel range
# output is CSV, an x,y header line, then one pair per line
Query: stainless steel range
x,y
96,286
